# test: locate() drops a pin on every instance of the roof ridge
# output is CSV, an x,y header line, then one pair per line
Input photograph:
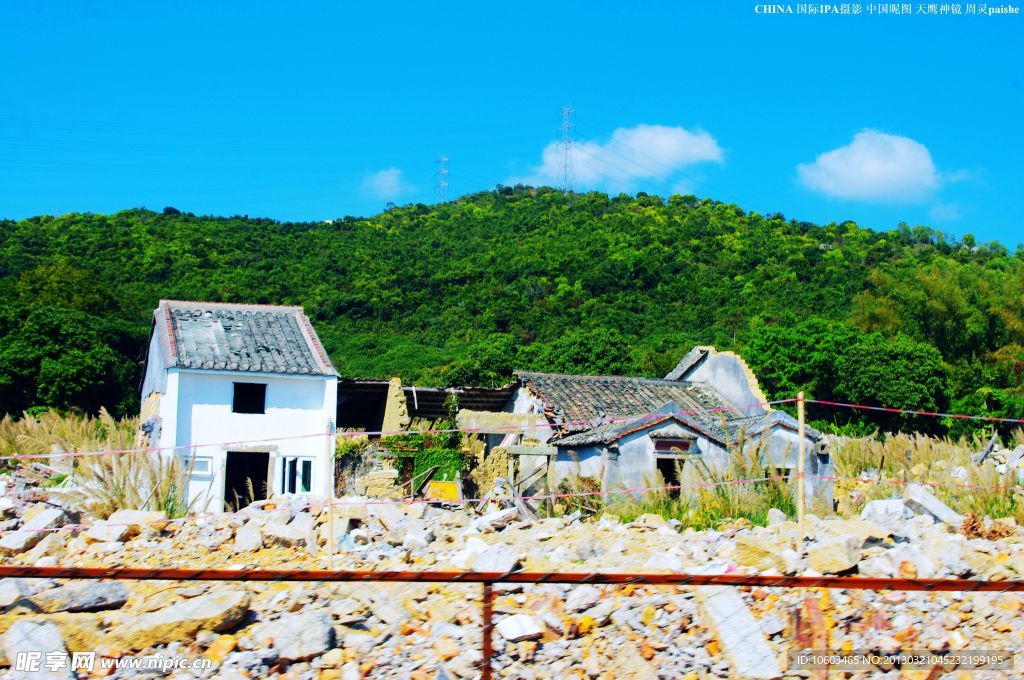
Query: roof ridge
x,y
229,305
584,376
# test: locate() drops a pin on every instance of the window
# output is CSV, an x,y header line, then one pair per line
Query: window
x,y
201,466
672,446
296,474
249,398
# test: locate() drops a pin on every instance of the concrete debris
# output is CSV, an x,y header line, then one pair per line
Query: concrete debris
x,y
82,596
889,513
519,627
35,640
217,611
297,637
424,630
738,632
923,502
834,555
32,531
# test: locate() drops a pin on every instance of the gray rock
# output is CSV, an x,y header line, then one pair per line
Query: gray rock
x,y
292,535
601,612
495,520
519,627
833,555
248,538
664,560
888,514
417,540
36,637
83,596
496,558
389,612
32,531
12,590
217,611
298,637
921,501
582,597
776,516
739,633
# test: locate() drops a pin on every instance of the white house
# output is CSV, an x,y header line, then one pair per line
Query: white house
x,y
248,396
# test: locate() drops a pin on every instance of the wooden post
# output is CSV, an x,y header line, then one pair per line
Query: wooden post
x,y
331,547
551,484
801,463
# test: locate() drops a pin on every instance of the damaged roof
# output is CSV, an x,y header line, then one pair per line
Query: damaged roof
x,y
580,398
726,431
239,337
579,403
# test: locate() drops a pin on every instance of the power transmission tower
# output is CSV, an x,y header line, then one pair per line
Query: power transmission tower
x,y
442,177
568,169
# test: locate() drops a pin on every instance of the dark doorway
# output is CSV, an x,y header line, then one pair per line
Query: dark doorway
x,y
669,469
245,478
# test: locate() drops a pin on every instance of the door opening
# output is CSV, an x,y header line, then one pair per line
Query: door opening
x,y
669,469
245,478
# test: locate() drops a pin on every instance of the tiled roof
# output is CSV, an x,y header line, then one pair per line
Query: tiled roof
x,y
576,400
586,397
236,337
580,402
725,432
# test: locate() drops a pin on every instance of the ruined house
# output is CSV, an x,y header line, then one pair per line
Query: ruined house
x,y
626,431
255,375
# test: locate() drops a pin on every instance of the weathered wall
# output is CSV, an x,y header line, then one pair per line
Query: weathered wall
x,y
489,468
296,406
732,378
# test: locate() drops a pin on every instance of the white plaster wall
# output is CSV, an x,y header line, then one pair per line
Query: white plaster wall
x,y
780,447
156,374
295,406
725,373
526,402
585,461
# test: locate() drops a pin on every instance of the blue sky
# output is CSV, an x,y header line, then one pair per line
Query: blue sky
x,y
320,110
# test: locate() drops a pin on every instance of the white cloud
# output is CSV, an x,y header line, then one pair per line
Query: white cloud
x,y
874,166
387,184
636,153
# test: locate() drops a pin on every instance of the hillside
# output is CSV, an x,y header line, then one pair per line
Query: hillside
x,y
467,291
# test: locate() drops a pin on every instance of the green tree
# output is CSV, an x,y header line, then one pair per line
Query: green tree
x,y
898,373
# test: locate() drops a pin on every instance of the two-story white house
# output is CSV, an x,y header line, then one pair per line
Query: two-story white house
x,y
246,396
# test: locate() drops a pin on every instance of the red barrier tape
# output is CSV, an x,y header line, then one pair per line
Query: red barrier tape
x,y
386,433
932,414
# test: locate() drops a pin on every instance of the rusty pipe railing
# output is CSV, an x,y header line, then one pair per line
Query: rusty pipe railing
x,y
488,579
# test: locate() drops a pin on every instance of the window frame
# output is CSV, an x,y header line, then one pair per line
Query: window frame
x,y
235,385
201,466
690,450
294,471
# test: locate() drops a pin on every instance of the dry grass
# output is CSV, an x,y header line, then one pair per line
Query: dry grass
x,y
711,497
144,481
53,432
101,484
885,466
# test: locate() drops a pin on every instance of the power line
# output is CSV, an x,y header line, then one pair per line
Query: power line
x,y
442,177
568,170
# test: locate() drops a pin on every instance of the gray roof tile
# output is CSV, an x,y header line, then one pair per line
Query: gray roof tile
x,y
256,338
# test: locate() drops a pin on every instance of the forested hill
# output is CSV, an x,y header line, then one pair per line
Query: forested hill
x,y
465,292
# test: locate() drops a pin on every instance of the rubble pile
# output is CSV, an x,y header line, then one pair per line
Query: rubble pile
x,y
427,631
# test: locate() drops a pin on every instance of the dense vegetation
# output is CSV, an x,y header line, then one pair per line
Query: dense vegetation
x,y
467,291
